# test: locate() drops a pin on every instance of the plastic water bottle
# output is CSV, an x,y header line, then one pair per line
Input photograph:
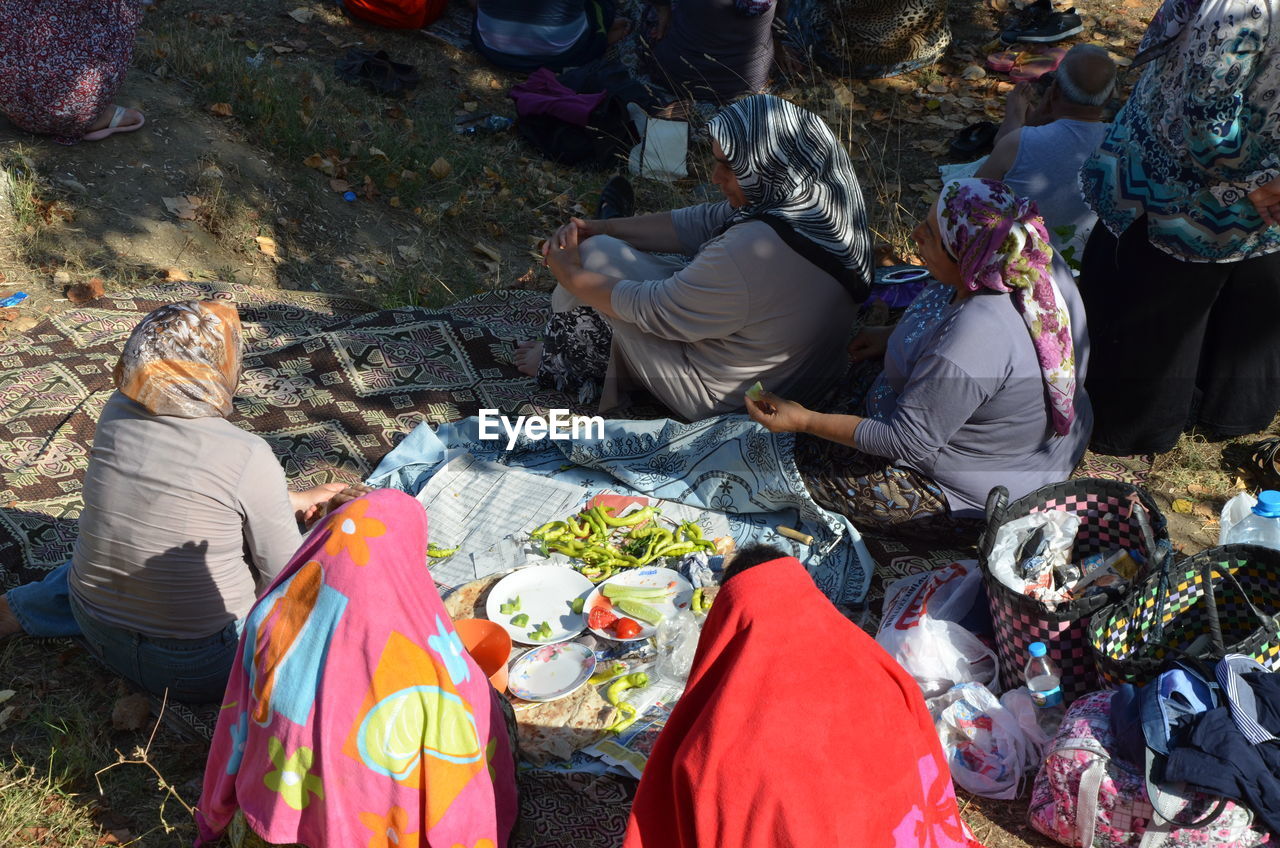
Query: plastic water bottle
x,y
1044,682
1263,527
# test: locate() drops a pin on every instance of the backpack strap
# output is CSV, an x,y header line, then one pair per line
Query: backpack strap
x,y
1087,800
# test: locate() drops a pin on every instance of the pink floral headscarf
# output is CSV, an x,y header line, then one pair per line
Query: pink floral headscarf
x,y
1001,243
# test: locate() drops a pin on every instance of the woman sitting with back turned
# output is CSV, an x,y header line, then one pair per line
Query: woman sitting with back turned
x,y
770,291
186,516
983,380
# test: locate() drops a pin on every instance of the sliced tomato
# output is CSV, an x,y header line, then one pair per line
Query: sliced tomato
x,y
625,628
600,618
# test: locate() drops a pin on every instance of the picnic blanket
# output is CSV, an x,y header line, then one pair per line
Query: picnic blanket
x,y
729,464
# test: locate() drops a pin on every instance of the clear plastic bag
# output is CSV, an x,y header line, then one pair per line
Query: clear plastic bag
x,y
677,642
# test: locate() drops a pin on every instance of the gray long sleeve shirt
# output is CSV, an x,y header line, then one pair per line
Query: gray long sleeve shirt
x,y
178,515
966,402
746,307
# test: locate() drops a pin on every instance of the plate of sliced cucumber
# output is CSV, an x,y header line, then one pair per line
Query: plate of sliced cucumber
x,y
540,604
629,606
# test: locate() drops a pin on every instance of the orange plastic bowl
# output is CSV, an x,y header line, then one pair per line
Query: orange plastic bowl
x,y
489,645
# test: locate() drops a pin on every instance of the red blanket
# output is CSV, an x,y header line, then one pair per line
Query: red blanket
x,y
796,729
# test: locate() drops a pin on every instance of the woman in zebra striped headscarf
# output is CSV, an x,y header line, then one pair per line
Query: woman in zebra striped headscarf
x,y
770,292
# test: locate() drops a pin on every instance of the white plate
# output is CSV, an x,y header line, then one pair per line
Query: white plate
x,y
545,592
647,576
551,671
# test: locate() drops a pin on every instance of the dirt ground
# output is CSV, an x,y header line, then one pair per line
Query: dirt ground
x,y
237,176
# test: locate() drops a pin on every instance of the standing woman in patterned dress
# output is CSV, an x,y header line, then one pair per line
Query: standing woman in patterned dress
x,y
61,63
1182,281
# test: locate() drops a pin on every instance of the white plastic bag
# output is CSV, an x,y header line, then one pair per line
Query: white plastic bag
x,y
1233,512
1059,528
918,628
986,747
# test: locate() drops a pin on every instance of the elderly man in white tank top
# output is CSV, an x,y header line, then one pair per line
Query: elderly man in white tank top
x,y
1040,149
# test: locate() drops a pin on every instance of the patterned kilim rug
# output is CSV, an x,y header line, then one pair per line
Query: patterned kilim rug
x,y
329,384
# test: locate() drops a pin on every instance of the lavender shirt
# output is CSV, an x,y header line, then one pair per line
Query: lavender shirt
x,y
962,400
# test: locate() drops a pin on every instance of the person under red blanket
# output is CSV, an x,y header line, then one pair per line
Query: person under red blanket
x,y
795,729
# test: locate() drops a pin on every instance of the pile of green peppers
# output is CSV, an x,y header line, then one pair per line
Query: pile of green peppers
x,y
589,536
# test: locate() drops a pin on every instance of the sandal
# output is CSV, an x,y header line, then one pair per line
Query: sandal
x,y
1265,457
114,126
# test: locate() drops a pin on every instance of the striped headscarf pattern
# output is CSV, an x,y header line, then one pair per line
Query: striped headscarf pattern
x,y
183,360
798,179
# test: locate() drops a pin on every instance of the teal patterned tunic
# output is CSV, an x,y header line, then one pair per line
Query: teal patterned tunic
x,y
1200,131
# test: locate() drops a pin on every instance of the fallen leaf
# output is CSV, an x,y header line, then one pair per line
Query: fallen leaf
x,y
1197,490
395,201
377,153
280,48
318,84
9,314
267,245
440,168
174,275
61,278
485,250
370,188
302,15
408,252
85,292
222,110
183,207
132,712
340,186
974,72
937,87
6,694
1204,511
4,716
1182,506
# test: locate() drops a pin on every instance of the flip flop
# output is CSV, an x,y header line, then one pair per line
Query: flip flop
x,y
114,126
1029,64
1036,62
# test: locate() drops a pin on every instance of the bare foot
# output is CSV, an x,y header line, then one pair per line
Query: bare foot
x,y
677,110
529,358
131,117
9,625
621,27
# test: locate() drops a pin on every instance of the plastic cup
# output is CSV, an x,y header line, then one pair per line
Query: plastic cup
x,y
489,645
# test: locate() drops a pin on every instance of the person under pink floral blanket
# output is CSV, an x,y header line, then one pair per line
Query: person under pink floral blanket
x,y
353,715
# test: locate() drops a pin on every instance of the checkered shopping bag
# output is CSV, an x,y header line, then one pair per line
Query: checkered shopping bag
x,y
1109,519
1222,600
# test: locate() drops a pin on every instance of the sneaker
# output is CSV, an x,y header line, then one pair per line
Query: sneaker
x,y
617,199
1045,27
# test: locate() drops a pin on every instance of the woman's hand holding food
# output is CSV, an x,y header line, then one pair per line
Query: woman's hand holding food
x,y
310,505
778,415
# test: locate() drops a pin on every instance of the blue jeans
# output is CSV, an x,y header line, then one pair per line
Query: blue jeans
x,y
193,670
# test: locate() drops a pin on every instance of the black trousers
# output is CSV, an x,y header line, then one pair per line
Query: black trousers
x,y
1177,344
